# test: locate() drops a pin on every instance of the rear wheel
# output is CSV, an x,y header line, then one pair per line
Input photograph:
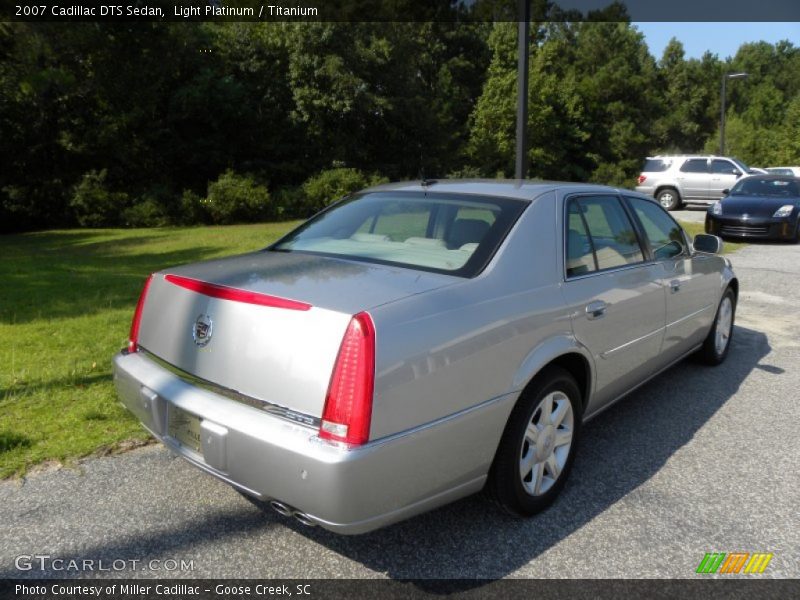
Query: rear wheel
x,y
718,341
538,445
669,198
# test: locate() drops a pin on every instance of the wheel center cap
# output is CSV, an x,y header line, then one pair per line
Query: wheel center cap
x,y
546,442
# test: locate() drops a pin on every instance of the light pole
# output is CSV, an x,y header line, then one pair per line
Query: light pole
x,y
725,78
523,34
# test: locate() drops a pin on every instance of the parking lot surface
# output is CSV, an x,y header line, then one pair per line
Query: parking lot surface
x,y
699,460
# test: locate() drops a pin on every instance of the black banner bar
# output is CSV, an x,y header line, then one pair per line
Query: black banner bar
x,y
733,588
394,10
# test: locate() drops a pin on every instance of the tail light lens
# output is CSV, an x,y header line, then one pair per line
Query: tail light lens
x,y
348,404
133,338
642,179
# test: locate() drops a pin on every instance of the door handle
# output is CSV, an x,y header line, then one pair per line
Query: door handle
x,y
596,309
675,286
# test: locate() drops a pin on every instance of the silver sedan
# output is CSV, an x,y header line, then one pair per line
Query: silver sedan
x,y
419,342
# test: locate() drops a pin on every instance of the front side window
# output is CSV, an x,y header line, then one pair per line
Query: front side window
x,y
695,165
599,235
664,235
449,233
724,167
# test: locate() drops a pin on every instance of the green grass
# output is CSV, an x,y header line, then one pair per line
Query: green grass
x,y
66,302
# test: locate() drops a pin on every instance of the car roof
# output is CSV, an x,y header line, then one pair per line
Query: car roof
x,y
663,156
526,189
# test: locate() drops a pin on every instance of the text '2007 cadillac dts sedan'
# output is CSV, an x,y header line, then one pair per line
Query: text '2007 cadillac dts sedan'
x,y
419,342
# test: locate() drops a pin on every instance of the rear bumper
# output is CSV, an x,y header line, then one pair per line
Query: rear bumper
x,y
755,228
347,490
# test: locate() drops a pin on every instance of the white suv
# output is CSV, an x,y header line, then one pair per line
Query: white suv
x,y
675,180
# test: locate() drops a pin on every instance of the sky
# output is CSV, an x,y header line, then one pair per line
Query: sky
x,y
722,39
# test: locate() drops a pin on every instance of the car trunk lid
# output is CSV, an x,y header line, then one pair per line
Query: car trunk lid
x,y
267,325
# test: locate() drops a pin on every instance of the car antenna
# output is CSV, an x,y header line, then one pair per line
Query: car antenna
x,y
423,181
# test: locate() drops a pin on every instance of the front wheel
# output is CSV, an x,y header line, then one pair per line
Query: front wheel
x,y
718,341
538,445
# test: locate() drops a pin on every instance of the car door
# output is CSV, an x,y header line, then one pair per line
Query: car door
x,y
724,174
615,297
690,280
693,176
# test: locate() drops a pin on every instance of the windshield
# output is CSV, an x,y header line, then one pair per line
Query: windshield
x,y
449,233
760,186
742,165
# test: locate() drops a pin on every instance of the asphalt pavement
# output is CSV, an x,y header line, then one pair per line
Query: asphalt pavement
x,y
699,460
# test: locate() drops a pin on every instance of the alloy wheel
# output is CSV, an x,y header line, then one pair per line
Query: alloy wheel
x,y
546,444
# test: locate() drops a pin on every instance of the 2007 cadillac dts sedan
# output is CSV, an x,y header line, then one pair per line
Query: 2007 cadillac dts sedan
x,y
417,342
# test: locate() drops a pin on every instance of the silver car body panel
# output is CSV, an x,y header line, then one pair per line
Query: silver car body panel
x,y
452,357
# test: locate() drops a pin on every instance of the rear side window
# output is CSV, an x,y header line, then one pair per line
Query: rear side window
x,y
664,235
599,236
655,165
695,165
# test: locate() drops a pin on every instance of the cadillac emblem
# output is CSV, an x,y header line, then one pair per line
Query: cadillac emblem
x,y
202,329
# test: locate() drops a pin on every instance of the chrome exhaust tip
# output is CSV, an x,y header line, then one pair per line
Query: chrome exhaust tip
x,y
304,519
281,508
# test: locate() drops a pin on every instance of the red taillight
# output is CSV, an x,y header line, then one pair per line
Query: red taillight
x,y
133,338
642,179
348,404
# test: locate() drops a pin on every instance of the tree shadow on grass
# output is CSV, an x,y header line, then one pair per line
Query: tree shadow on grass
x,y
53,384
67,274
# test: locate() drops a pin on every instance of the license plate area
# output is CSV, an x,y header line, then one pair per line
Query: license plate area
x,y
185,428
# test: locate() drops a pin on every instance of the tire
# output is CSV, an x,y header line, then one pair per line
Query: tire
x,y
797,233
669,199
521,480
715,347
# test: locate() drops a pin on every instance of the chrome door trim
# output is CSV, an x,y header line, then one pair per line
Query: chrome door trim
x,y
626,345
689,316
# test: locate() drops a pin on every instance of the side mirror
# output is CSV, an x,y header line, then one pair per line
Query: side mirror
x,y
725,192
737,172
707,244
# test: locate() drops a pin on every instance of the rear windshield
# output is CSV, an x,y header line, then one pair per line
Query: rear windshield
x,y
756,186
655,165
448,233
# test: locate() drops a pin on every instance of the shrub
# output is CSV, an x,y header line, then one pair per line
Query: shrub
x,y
146,213
331,185
289,202
237,198
193,209
94,205
466,172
